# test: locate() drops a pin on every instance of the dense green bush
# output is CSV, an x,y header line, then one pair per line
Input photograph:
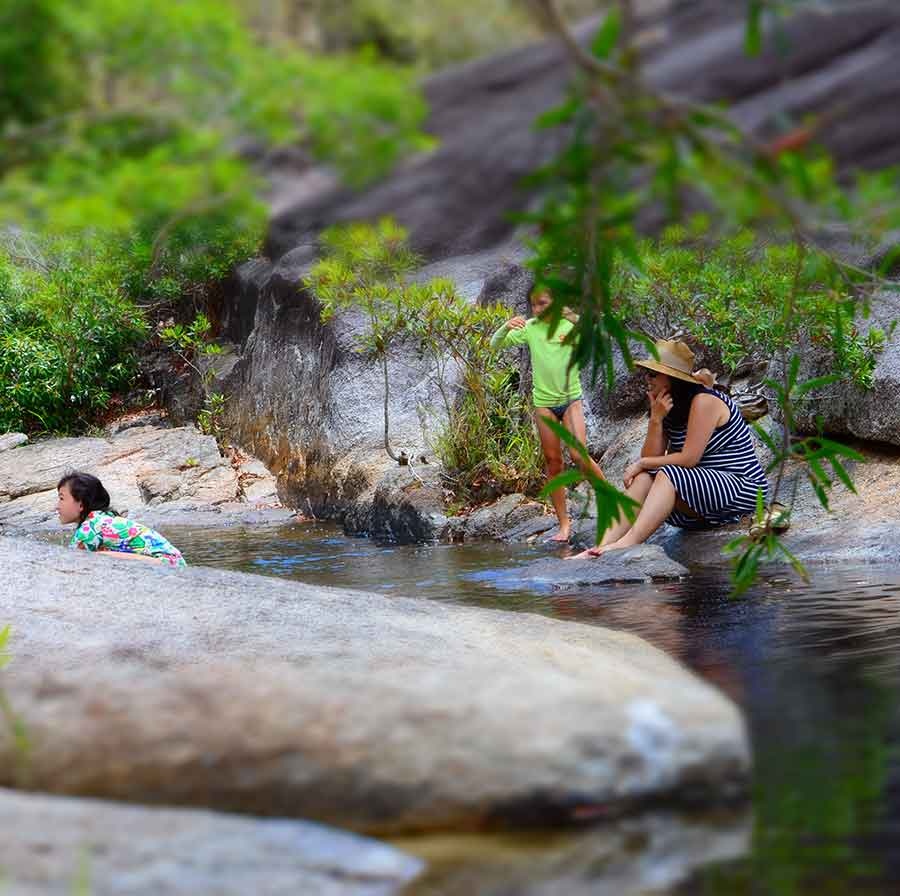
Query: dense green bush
x,y
67,337
728,295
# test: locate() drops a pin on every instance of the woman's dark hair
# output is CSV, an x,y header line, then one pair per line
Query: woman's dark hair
x,y
88,490
682,393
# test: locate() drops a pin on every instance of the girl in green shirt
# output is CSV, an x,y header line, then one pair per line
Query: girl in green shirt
x,y
556,391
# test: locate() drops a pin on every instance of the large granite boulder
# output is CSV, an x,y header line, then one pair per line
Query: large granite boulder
x,y
55,846
224,690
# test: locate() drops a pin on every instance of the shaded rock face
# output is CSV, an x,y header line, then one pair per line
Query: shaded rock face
x,y
408,507
301,399
50,842
378,714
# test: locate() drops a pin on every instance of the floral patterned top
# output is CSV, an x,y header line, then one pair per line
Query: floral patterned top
x,y
104,531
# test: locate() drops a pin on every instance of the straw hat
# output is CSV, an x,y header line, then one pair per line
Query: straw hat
x,y
675,359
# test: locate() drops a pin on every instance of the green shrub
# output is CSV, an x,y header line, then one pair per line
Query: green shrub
x,y
487,445
67,343
729,295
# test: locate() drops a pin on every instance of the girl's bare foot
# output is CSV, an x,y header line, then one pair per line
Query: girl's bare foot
x,y
562,536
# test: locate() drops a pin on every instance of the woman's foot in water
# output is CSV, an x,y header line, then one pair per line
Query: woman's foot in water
x,y
597,551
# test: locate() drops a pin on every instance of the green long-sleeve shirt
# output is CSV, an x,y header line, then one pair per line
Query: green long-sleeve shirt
x,y
554,383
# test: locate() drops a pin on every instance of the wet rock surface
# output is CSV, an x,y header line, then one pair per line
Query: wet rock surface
x,y
56,845
409,506
207,688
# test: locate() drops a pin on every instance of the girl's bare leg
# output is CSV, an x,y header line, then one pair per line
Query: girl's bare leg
x,y
552,448
573,420
126,555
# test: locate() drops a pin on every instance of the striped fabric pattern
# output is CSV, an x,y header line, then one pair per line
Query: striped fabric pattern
x,y
723,486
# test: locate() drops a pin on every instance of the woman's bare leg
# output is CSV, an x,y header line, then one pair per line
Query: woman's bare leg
x,y
638,491
552,448
660,501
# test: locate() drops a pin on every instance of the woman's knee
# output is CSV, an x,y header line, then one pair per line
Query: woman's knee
x,y
662,483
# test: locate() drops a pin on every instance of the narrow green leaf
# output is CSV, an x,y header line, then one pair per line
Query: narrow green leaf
x,y
753,34
842,473
563,480
607,36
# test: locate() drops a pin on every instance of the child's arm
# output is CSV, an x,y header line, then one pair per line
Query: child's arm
x,y
509,334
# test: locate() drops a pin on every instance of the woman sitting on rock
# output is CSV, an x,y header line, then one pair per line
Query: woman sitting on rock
x,y
556,390
698,468
82,499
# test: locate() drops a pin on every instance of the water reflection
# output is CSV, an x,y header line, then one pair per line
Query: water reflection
x,y
816,669
630,857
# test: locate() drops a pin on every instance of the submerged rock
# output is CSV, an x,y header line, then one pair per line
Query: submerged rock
x,y
210,688
56,845
642,563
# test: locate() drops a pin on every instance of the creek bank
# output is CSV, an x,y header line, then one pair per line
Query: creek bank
x,y
201,687
50,844
154,472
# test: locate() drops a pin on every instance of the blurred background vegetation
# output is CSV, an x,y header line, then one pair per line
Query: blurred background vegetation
x,y
126,128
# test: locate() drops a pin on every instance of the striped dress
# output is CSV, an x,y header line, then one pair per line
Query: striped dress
x,y
723,486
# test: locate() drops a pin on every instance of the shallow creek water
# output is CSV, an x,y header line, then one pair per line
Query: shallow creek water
x,y
815,667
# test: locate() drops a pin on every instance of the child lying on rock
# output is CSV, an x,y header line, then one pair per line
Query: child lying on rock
x,y
82,499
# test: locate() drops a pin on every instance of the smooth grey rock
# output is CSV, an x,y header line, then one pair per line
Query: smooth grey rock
x,y
51,845
237,692
530,528
511,512
643,563
12,440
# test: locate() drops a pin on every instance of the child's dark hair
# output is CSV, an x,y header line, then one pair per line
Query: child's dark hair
x,y
88,490
682,393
